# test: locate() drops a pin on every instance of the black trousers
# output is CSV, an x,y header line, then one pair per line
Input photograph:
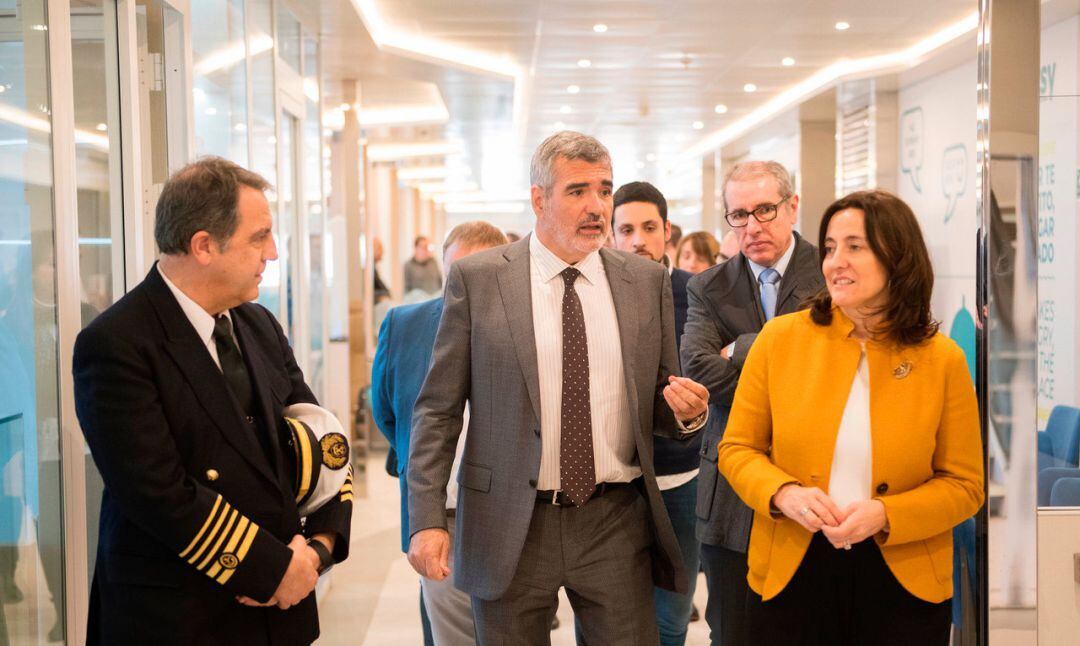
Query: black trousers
x,y
725,576
847,597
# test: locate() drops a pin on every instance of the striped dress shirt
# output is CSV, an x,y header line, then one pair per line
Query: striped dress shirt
x,y
614,449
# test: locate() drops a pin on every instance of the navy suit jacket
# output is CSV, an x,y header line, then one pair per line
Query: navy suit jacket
x,y
402,357
672,456
679,279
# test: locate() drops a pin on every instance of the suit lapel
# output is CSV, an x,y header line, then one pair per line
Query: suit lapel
x,y
624,296
515,288
202,374
803,264
259,367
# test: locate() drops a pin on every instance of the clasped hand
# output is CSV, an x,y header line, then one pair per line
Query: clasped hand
x,y
299,580
815,510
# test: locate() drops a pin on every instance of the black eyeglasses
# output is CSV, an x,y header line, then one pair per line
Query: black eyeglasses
x,y
764,213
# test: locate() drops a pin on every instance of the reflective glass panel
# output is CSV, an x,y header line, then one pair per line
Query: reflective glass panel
x,y
220,77
316,219
97,175
31,531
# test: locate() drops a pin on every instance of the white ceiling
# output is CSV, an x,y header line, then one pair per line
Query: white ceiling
x,y
660,66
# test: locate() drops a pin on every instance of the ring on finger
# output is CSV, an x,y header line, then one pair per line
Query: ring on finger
x,y
847,545
804,511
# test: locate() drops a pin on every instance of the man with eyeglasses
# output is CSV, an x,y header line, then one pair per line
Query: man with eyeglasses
x,y
774,271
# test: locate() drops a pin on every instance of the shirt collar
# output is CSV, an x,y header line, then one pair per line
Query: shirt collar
x,y
200,319
550,265
780,266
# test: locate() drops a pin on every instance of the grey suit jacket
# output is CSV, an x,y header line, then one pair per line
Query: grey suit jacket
x,y
485,353
725,307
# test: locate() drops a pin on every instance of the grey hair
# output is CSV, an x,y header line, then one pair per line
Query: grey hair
x,y
753,169
202,196
568,144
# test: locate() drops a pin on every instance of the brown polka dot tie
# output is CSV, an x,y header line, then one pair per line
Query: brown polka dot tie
x,y
576,470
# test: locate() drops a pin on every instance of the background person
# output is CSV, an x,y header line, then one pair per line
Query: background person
x,y
773,273
854,436
640,226
421,271
401,363
697,252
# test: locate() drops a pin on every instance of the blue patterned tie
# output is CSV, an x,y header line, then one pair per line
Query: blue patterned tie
x,y
768,279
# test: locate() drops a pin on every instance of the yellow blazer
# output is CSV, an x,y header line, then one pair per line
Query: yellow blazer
x,y
927,451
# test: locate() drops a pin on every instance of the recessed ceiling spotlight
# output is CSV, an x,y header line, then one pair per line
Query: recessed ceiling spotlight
x,y
842,26
650,157
787,61
559,125
749,87
584,62
101,127
698,125
565,109
640,165
572,89
599,27
720,108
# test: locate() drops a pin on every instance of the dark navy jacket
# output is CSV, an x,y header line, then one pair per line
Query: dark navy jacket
x,y
674,456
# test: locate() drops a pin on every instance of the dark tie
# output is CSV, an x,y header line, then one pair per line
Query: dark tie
x,y
576,470
232,364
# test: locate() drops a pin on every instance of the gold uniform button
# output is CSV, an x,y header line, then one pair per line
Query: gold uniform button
x,y
211,474
249,419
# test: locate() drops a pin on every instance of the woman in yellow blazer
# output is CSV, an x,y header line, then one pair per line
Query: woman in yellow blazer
x,y
854,436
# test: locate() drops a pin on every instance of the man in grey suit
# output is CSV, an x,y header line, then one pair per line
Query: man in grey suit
x,y
565,352
775,271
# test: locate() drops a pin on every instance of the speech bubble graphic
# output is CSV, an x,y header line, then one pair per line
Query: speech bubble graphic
x,y
953,176
911,145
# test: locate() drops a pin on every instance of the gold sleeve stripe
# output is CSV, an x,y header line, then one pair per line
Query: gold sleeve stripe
x,y
212,554
213,533
241,527
303,443
346,497
253,529
202,530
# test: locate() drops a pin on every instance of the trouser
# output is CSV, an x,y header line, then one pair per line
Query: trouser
x,y
725,576
847,598
673,609
601,553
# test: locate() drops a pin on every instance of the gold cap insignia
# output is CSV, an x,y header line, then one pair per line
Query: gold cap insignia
x,y
228,561
211,474
335,450
902,370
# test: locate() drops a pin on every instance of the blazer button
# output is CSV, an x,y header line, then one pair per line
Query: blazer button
x,y
882,488
532,483
211,474
249,419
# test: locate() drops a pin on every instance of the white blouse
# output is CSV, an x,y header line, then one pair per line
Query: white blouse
x,y
851,467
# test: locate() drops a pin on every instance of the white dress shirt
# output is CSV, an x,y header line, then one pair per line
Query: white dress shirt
x,y
200,319
780,267
850,476
614,449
